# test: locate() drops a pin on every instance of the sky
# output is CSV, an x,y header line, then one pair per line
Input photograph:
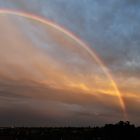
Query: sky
x,y
49,78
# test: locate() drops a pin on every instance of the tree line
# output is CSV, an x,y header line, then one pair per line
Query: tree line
x,y
119,131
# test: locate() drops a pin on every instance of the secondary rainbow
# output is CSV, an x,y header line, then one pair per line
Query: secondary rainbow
x,y
75,38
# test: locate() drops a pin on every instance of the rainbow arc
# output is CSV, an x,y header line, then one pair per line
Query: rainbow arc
x,y
92,53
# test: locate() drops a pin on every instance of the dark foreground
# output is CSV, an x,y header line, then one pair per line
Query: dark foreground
x,y
119,131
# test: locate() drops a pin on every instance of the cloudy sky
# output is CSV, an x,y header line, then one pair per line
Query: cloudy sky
x,y
48,78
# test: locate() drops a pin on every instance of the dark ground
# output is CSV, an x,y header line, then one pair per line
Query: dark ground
x,y
119,131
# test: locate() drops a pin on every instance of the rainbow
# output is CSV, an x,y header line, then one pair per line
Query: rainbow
x,y
75,38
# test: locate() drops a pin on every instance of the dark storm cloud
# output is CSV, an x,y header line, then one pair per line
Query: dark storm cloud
x,y
33,104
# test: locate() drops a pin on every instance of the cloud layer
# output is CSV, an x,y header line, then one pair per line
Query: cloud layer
x,y
45,71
